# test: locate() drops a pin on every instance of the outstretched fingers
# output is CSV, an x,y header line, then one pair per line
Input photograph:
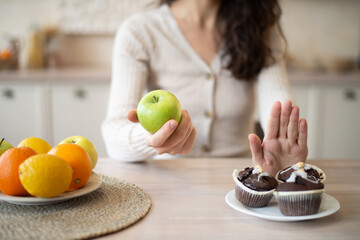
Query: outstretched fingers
x,y
273,124
256,149
284,118
303,133
293,127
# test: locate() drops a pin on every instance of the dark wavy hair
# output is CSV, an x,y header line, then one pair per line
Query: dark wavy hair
x,y
244,28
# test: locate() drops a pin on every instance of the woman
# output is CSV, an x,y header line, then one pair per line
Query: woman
x,y
218,58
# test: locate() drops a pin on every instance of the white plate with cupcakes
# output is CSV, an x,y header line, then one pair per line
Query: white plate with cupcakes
x,y
298,190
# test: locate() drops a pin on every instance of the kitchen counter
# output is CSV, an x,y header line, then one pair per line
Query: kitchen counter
x,y
61,74
298,77
188,201
104,74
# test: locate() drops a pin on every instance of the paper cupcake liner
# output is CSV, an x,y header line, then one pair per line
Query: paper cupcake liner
x,y
250,197
299,203
310,165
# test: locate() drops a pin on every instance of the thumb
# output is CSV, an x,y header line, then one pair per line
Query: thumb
x,y
132,116
158,138
256,149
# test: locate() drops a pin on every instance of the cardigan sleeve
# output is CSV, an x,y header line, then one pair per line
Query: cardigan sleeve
x,y
124,140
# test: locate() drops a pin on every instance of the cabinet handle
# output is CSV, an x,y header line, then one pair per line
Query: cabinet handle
x,y
80,94
350,95
8,93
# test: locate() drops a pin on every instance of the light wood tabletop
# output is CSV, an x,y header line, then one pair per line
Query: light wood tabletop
x,y
188,201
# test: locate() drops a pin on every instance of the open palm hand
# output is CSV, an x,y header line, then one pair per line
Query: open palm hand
x,y
285,141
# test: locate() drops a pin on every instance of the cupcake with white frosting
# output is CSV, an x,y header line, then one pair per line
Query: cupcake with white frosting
x,y
311,170
254,187
301,192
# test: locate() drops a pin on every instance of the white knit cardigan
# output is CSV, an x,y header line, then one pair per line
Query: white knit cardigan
x,y
150,52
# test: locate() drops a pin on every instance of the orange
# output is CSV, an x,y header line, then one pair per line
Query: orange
x,y
5,54
9,170
79,161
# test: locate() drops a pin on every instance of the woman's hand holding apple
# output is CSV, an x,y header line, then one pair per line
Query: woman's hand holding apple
x,y
171,138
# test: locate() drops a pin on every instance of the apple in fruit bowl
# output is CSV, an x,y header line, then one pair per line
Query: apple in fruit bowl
x,y
87,145
156,108
4,146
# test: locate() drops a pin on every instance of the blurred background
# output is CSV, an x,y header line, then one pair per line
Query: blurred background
x,y
55,68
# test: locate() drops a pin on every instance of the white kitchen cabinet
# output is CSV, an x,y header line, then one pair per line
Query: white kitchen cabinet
x,y
23,111
79,109
333,114
306,97
339,116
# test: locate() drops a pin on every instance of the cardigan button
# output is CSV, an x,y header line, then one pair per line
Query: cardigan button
x,y
206,148
208,114
209,76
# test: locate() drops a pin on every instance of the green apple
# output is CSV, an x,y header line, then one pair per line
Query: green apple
x,y
4,146
86,144
156,108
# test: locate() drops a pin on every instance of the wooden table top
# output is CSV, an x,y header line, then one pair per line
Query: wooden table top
x,y
188,201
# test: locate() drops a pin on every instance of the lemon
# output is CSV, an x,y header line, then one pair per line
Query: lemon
x,y
39,145
45,175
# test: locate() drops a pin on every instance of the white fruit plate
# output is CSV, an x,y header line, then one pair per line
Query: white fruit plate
x,y
93,184
329,205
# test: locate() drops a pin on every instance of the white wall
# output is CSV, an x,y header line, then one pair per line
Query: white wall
x,y
319,32
16,16
322,33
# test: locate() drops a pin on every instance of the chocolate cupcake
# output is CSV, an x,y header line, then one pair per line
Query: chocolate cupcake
x,y
254,187
300,194
311,170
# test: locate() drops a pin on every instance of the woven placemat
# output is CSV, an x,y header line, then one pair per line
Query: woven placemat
x,y
117,204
